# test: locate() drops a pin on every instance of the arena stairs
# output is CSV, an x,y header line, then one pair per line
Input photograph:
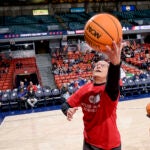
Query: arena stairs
x,y
44,64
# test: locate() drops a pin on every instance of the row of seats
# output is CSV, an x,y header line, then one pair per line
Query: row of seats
x,y
135,88
6,80
28,66
45,96
60,79
133,14
29,19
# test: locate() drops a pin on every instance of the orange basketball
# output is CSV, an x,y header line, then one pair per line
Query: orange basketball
x,y
148,109
101,30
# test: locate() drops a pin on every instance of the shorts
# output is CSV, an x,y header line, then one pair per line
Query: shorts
x,y
87,146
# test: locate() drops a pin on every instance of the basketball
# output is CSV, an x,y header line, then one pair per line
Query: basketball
x,y
148,109
101,30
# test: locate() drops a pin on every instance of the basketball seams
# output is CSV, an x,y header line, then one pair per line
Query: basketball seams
x,y
115,26
102,29
98,33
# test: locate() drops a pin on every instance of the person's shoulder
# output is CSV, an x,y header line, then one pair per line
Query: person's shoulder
x,y
86,86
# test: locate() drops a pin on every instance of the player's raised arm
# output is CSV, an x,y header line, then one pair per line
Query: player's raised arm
x,y
113,77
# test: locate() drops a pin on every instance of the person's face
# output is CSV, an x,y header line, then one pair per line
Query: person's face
x,y
100,71
31,83
22,83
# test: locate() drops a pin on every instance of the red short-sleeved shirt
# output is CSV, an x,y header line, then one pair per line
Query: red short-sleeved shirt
x,y
99,117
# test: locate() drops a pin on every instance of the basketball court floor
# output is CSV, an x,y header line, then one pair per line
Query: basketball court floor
x,y
51,131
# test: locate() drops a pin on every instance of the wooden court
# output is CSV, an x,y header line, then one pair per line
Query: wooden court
x,y
51,131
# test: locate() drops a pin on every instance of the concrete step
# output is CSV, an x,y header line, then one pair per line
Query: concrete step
x,y
44,64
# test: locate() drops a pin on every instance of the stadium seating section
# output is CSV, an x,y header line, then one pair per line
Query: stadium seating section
x,y
47,96
7,80
67,21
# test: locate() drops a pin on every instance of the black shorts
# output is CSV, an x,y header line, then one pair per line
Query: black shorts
x,y
87,146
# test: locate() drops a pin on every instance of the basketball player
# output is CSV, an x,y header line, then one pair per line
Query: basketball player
x,y
98,101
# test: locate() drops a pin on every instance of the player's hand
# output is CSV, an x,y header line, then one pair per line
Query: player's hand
x,y
71,112
114,53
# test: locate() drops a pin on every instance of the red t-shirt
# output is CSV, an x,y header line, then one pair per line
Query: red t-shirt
x,y
33,86
100,128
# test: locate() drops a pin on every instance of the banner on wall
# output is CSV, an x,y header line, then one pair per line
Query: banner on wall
x,y
24,35
79,31
70,32
66,32
136,28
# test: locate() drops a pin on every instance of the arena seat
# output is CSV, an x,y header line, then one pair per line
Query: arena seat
x,y
45,88
126,89
56,95
14,104
71,89
5,105
48,96
40,97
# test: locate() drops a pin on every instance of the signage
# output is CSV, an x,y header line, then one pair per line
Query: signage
x,y
33,34
77,9
128,7
79,31
63,32
40,12
70,32
133,28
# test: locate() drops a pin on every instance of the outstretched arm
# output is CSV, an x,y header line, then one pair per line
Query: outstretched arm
x,y
113,78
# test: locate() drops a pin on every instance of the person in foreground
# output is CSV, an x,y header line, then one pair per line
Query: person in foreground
x,y
98,101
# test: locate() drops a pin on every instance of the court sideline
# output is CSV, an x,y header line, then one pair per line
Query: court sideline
x,y
51,131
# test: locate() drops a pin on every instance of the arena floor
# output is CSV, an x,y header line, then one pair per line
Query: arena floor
x,y
51,131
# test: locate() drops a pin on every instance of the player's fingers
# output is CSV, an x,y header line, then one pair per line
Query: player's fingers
x,y
69,119
69,113
120,41
75,109
115,46
108,50
123,44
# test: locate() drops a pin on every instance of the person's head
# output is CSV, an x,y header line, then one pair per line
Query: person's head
x,y
21,83
31,83
100,72
25,80
64,85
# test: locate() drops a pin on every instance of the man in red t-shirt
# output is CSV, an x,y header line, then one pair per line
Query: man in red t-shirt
x,y
34,87
98,101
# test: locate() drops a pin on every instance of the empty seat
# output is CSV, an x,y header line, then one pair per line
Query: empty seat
x,y
56,94
14,104
5,101
47,96
40,97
